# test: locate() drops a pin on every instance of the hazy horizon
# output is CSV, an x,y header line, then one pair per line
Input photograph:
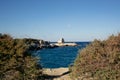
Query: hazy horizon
x,y
50,20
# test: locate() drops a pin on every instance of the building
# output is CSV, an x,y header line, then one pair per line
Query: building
x,y
61,41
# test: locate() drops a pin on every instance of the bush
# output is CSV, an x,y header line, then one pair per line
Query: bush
x,y
100,60
16,63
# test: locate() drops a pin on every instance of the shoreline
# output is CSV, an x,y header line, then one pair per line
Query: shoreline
x,y
57,73
65,44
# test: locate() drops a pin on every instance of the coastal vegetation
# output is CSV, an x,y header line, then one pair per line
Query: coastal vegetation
x,y
16,62
100,60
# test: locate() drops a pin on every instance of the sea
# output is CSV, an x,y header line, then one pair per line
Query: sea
x,y
59,56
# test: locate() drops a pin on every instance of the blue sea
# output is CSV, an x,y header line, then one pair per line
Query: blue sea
x,y
60,56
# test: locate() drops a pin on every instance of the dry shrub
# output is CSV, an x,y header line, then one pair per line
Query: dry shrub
x,y
100,60
15,61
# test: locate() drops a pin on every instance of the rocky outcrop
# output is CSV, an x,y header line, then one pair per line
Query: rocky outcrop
x,y
62,42
57,74
66,44
35,44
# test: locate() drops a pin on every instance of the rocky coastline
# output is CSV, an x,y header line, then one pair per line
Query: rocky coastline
x,y
57,74
35,44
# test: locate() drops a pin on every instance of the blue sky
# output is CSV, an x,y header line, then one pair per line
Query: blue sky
x,y
74,20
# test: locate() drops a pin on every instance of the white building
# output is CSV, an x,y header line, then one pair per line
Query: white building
x,y
61,41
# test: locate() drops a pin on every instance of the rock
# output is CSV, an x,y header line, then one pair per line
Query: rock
x,y
58,73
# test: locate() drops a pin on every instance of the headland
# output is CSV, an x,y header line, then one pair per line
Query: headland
x,y
61,42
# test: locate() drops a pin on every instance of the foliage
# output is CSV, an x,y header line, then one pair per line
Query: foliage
x,y
100,60
16,62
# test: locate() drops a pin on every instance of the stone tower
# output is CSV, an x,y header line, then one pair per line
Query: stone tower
x,y
61,41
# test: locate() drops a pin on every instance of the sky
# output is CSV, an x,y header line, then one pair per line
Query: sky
x,y
74,20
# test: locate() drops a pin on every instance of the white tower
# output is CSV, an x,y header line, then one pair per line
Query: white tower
x,y
61,41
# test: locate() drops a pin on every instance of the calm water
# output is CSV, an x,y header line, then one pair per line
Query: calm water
x,y
60,56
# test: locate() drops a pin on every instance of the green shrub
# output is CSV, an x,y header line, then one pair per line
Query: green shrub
x,y
16,63
100,60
